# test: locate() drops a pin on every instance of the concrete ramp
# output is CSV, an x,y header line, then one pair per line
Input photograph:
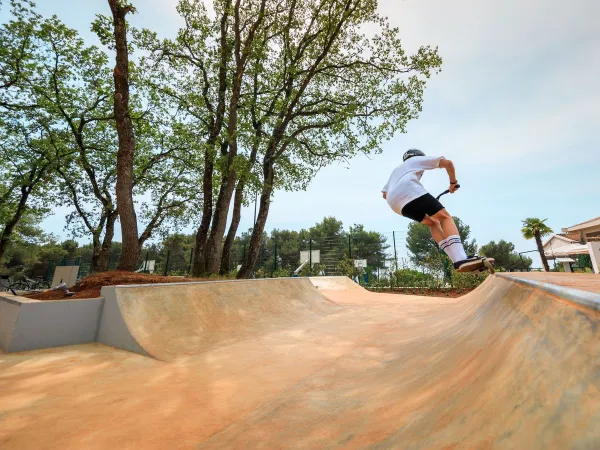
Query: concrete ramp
x,y
336,284
509,365
515,364
169,320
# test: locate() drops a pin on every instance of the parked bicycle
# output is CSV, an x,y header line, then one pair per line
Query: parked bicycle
x,y
8,284
39,284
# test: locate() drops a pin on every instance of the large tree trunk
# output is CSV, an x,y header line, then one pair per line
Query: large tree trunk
x,y
215,240
107,242
237,207
199,264
261,220
124,188
540,246
199,261
235,222
96,253
242,51
9,227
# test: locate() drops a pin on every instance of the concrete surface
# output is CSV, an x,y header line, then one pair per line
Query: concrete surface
x,y
169,320
27,324
582,281
580,297
506,366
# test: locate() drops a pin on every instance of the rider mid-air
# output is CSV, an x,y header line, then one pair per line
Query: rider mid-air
x,y
406,196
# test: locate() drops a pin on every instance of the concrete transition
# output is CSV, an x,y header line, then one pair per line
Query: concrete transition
x,y
168,320
318,363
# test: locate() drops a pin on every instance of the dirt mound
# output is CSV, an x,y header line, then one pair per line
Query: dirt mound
x,y
89,287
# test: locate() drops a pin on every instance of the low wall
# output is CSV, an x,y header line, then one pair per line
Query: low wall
x,y
27,324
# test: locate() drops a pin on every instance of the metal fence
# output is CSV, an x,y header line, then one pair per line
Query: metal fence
x,y
376,261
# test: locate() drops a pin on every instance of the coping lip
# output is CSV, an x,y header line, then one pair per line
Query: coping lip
x,y
186,283
584,298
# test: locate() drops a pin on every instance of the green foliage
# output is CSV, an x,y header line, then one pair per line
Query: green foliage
x,y
281,273
316,270
533,227
505,256
468,280
413,278
346,268
584,261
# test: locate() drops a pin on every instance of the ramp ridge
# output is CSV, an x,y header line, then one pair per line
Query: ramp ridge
x,y
584,298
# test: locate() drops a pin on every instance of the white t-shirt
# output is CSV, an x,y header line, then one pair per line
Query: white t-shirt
x,y
404,183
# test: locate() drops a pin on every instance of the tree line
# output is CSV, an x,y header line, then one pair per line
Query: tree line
x,y
279,252
150,133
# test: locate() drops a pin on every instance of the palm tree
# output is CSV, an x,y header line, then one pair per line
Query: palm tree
x,y
536,228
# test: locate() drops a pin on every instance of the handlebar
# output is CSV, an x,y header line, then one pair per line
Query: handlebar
x,y
447,191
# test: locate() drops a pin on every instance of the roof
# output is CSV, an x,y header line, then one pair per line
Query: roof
x,y
567,250
587,224
558,236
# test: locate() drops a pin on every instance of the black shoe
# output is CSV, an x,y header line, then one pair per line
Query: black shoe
x,y
465,264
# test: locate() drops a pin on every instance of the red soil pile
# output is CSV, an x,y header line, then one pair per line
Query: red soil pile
x,y
89,287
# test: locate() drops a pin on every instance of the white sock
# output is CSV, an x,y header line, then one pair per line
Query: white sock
x,y
453,247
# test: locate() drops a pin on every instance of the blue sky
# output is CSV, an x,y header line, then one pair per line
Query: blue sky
x,y
516,107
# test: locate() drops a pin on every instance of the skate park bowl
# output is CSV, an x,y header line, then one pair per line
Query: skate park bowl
x,y
316,363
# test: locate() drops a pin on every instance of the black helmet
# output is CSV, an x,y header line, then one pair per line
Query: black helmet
x,y
412,152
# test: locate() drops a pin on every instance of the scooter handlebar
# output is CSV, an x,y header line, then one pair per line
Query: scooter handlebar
x,y
447,191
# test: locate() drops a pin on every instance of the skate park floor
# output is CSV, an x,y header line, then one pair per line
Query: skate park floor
x,y
320,363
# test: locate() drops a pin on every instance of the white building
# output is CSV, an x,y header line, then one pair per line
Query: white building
x,y
590,236
580,239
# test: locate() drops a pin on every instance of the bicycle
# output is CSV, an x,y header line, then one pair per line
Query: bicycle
x,y
39,284
7,284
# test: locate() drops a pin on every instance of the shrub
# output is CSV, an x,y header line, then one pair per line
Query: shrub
x,y
413,278
468,280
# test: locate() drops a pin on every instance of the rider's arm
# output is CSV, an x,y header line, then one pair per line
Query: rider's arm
x,y
449,166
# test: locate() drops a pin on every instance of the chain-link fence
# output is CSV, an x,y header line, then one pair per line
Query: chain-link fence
x,y
378,260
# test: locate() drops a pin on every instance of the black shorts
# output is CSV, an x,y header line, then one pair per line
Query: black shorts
x,y
421,206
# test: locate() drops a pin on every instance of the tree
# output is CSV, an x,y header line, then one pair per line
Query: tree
x,y
65,91
17,47
202,72
534,228
25,168
125,155
276,91
368,245
25,163
336,91
505,256
426,253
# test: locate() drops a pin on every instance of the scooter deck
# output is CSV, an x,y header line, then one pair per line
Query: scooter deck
x,y
484,264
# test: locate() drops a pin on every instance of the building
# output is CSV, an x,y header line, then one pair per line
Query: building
x,y
589,231
562,248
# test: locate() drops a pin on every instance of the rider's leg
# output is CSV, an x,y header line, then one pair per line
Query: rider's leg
x,y
435,227
451,242
447,223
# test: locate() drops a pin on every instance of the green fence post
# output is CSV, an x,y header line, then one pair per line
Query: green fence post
x,y
167,263
49,271
350,246
395,254
191,260
275,263
310,256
